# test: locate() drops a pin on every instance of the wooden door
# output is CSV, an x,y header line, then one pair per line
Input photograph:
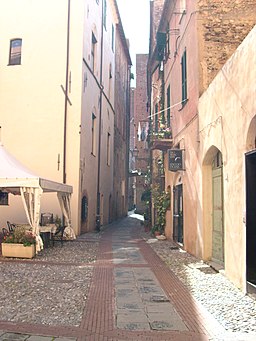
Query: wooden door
x,y
178,214
217,210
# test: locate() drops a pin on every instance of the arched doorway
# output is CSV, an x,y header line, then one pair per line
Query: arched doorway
x,y
213,211
250,167
217,210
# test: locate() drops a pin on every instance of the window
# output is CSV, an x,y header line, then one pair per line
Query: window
x,y
160,44
168,95
108,149
113,37
93,134
93,52
15,52
184,77
105,14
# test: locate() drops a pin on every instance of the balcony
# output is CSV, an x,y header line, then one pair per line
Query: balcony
x,y
161,140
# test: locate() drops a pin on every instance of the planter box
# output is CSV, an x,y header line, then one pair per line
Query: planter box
x,y
18,250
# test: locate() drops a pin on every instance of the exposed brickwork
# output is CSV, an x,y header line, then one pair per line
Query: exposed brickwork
x,y
156,13
223,25
140,118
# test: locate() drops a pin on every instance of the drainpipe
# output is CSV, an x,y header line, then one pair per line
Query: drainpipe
x,y
100,118
66,99
128,118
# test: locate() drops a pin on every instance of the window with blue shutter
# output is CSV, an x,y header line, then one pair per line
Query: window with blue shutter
x,y
184,77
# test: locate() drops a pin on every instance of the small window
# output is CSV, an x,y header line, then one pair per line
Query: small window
x,y
93,52
184,77
108,149
217,161
15,52
93,134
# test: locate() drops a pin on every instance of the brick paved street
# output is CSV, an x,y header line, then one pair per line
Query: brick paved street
x,y
107,286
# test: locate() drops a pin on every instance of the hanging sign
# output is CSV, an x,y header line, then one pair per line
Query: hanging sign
x,y
175,160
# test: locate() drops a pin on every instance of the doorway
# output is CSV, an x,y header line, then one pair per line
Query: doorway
x,y
178,214
250,162
217,210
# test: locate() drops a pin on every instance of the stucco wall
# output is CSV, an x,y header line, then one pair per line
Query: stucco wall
x,y
31,98
226,111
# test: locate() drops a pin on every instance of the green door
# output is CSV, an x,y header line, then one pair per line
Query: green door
x,y
217,209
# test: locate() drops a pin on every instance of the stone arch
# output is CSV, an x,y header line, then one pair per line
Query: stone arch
x,y
251,135
250,176
207,201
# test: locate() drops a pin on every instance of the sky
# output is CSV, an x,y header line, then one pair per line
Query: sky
x,y
135,19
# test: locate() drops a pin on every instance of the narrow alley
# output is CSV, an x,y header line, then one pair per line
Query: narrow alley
x,y
114,286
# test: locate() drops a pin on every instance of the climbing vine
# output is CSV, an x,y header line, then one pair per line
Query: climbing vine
x,y
162,201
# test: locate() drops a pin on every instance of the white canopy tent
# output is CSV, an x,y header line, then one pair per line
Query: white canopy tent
x,y
17,179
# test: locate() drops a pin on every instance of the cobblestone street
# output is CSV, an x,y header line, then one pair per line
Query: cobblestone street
x,y
120,284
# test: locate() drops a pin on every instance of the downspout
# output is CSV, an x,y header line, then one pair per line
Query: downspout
x,y
100,117
66,99
128,117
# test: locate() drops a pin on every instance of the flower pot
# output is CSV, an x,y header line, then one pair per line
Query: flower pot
x,y
18,250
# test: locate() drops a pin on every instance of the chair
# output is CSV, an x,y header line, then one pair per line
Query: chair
x,y
58,235
11,227
5,232
46,218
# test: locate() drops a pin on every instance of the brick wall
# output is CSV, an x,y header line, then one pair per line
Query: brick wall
x,y
140,115
223,25
156,9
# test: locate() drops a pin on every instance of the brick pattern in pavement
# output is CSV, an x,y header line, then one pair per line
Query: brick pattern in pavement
x,y
98,322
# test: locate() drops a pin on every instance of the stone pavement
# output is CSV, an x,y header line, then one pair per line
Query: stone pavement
x,y
107,286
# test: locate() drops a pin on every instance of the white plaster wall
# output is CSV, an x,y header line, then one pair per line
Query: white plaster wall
x,y
90,103
226,110
31,98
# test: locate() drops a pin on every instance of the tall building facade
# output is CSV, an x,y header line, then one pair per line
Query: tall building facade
x,y
121,125
57,94
141,129
193,41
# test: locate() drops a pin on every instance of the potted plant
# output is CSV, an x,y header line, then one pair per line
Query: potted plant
x,y
20,244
